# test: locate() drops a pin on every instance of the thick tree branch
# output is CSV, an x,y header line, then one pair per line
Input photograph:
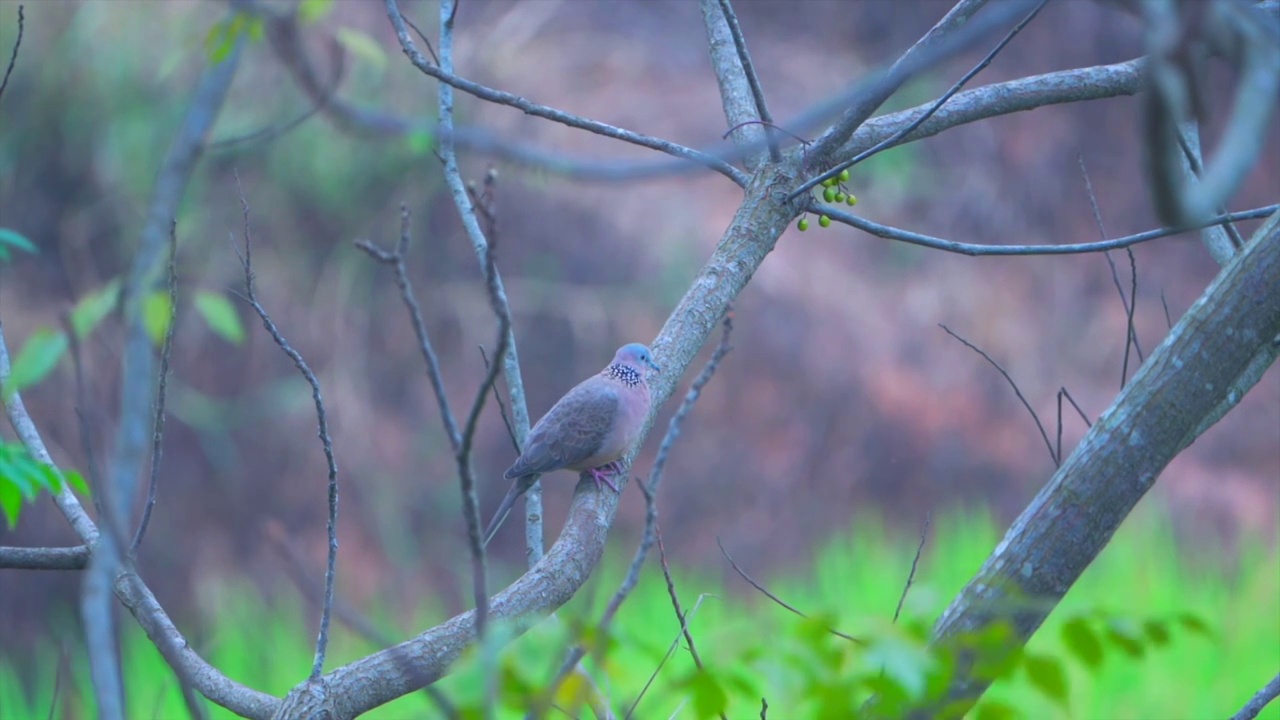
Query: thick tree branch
x,y
1192,372
740,93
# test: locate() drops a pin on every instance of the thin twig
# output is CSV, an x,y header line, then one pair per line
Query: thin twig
x,y
685,619
444,73
13,57
765,591
1132,332
651,508
748,69
466,211
1130,336
1260,700
915,561
322,638
975,249
893,140
397,260
1014,385
157,427
295,568
101,497
502,407
1067,395
1165,304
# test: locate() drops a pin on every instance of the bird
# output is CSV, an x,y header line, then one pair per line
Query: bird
x,y
587,430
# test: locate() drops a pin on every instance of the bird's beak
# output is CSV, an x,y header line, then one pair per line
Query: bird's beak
x,y
655,366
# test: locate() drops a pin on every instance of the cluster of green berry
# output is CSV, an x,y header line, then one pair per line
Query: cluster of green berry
x,y
833,191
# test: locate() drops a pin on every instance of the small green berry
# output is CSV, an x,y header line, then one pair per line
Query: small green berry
x,y
829,194
829,182
840,197
803,224
851,200
844,175
824,221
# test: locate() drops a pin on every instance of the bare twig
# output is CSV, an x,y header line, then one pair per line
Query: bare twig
x,y
915,561
752,79
973,249
651,507
453,177
765,591
685,619
1165,304
1260,700
502,407
326,442
397,260
1063,392
13,57
444,73
157,428
1131,335
309,587
949,36
1012,384
44,558
906,130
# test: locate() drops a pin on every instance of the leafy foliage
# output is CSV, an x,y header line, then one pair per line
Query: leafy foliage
x,y
23,478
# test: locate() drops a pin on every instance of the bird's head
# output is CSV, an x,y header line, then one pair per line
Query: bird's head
x,y
636,356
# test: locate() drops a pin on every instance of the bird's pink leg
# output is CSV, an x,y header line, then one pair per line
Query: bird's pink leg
x,y
601,477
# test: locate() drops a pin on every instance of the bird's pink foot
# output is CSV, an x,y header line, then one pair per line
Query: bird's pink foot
x,y
601,477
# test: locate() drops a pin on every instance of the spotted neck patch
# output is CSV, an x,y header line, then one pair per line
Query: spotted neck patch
x,y
624,374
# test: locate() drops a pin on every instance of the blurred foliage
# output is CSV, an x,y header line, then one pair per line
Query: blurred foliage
x,y
23,478
1164,659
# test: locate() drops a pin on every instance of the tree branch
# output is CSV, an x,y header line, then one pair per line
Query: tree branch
x,y
973,249
933,108
326,442
1154,417
13,56
740,93
1260,700
44,558
447,78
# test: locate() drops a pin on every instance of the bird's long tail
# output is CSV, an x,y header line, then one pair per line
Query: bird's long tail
x,y
518,488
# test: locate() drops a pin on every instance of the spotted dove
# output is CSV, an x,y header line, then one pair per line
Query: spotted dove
x,y
587,430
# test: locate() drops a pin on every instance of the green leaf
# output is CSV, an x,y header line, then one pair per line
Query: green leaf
x,y
994,710
222,37
1082,642
13,238
92,308
10,503
906,662
220,315
156,315
420,142
1195,624
313,10
362,46
709,699
37,358
1047,676
76,480
1125,634
1157,631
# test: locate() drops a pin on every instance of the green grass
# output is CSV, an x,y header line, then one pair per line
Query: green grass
x,y
754,648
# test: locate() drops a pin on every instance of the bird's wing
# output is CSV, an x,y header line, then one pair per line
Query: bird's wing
x,y
572,430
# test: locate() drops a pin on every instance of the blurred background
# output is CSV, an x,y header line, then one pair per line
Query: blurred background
x,y
843,396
